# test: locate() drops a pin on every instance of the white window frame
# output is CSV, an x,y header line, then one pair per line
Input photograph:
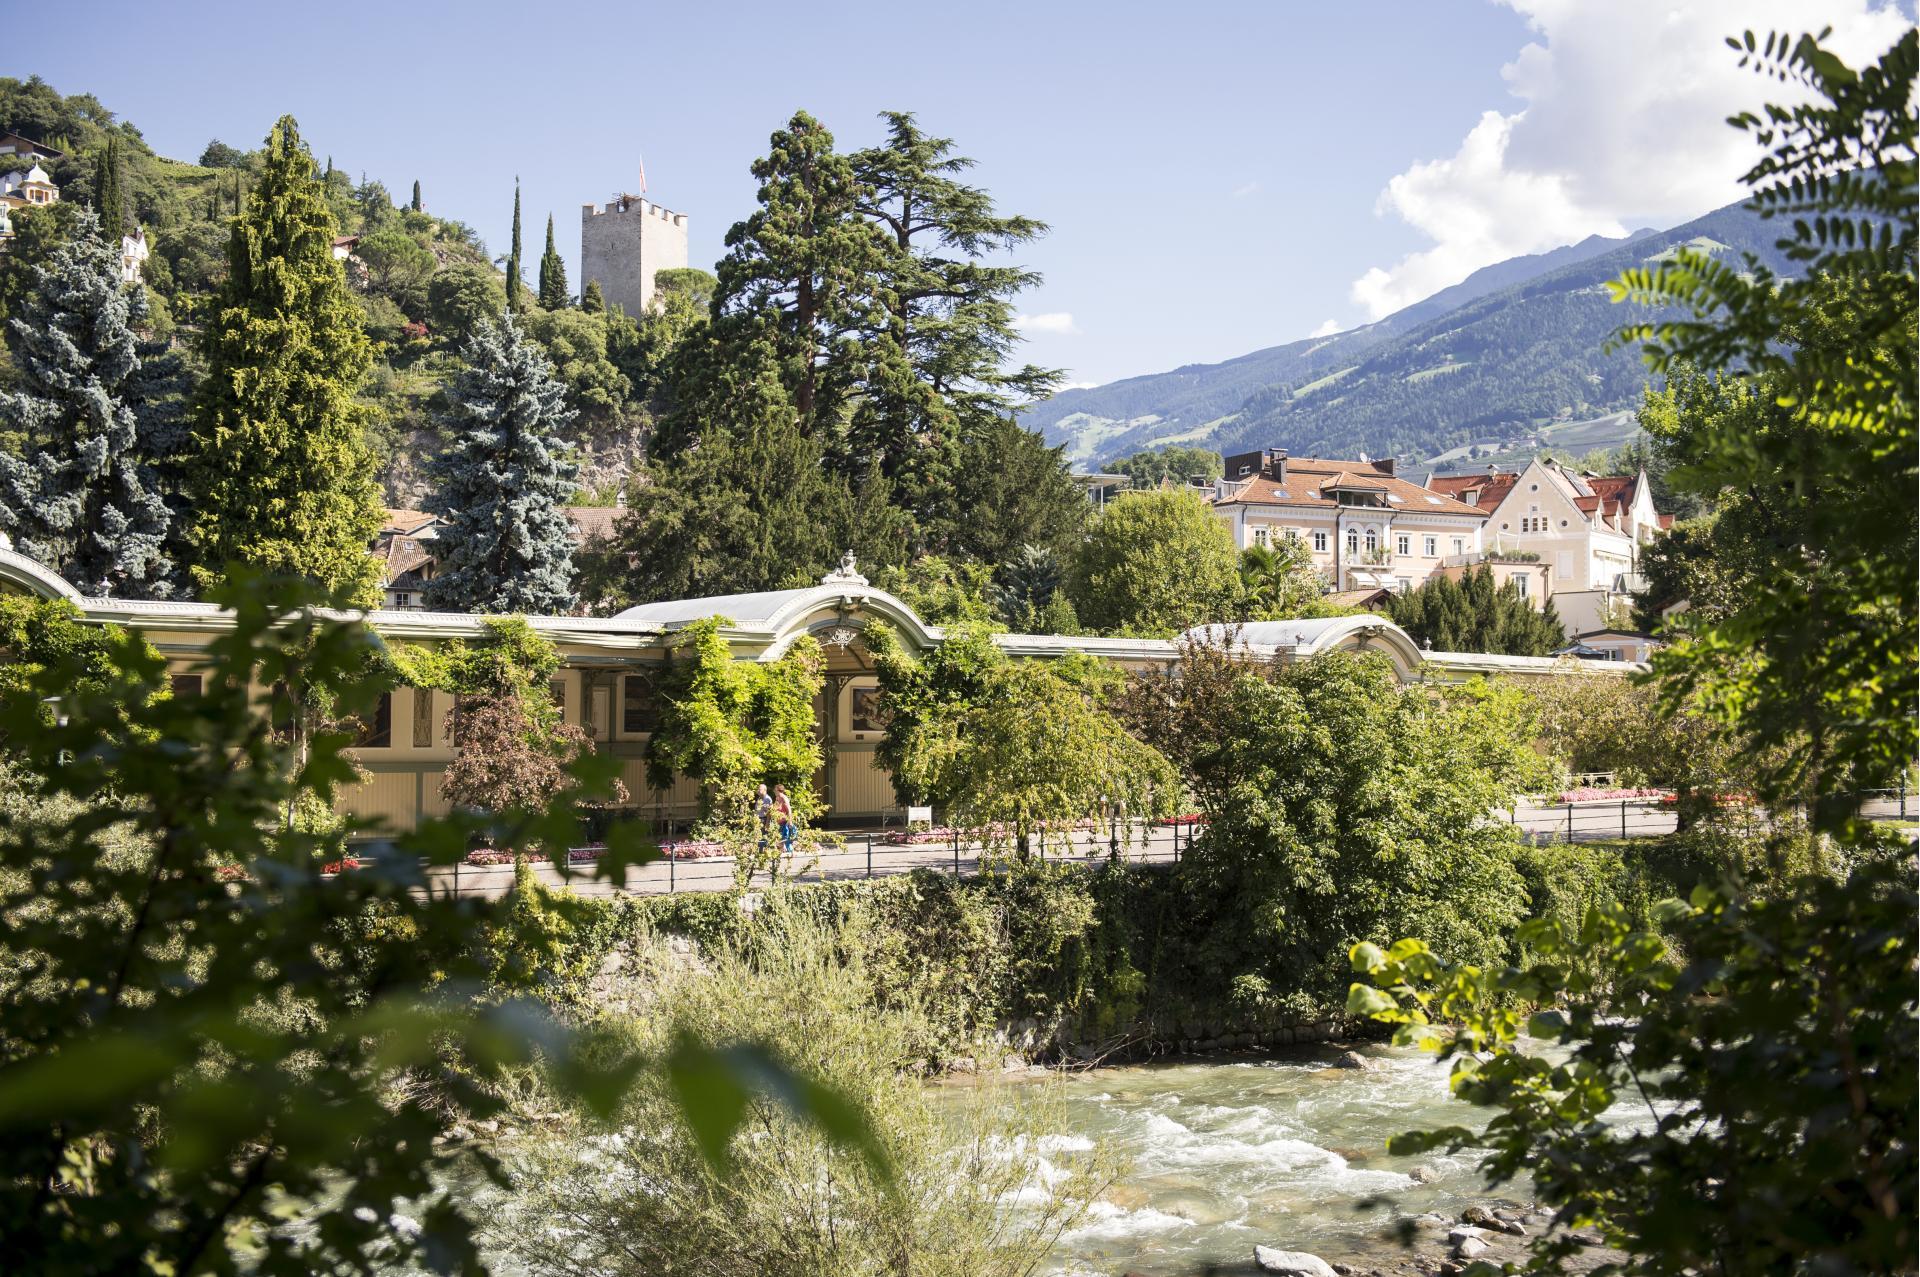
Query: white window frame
x,y
1431,546
1519,580
1320,542
1403,544
1260,537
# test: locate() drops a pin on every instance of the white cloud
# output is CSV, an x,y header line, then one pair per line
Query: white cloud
x,y
1245,189
1058,322
1080,385
1623,114
1327,329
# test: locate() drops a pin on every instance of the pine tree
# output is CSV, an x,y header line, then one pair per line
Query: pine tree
x,y
514,284
554,294
946,317
750,507
84,499
416,205
504,481
1473,615
281,475
592,299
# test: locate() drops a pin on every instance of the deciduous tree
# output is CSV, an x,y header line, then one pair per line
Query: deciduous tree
x,y
1154,563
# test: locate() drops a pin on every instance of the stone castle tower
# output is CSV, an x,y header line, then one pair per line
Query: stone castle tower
x,y
623,244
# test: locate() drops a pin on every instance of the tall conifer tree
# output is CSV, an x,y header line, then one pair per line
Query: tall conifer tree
x,y
416,205
109,199
84,499
554,294
514,284
504,481
281,475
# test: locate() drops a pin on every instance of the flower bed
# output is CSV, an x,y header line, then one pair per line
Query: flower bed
x,y
1587,794
693,850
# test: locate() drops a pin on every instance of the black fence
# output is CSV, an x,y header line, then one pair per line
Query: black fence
x,y
878,853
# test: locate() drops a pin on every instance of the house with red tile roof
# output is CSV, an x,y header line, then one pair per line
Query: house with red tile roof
x,y
1365,526
1588,530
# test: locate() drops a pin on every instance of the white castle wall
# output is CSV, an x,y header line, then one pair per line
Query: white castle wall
x,y
623,244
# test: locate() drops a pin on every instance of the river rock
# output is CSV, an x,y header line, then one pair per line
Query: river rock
x,y
1463,1232
1476,1215
1588,1238
1297,1262
1470,1248
1352,1060
1421,1175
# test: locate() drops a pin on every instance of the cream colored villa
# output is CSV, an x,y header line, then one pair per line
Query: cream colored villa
x,y
1367,528
606,684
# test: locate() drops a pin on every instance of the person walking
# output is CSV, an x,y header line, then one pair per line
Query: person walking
x,y
783,812
763,816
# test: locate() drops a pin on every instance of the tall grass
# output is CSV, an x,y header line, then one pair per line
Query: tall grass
x,y
969,1198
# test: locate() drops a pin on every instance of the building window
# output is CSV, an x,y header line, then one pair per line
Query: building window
x,y
377,732
1563,523
1320,542
185,684
1353,541
1404,544
1260,537
403,600
423,718
1520,584
1406,583
1373,540
639,713
1459,545
1431,546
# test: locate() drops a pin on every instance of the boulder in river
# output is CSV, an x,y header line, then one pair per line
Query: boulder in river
x,y
1470,1248
1352,1060
1297,1262
1421,1175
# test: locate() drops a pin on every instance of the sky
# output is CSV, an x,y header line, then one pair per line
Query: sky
x,y
1217,177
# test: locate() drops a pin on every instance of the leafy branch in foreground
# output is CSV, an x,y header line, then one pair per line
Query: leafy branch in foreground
x,y
204,1034
1746,1109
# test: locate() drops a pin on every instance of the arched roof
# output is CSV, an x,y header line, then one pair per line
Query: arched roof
x,y
1305,638
29,577
777,617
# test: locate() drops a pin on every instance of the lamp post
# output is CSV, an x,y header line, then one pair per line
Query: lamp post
x,y
1113,830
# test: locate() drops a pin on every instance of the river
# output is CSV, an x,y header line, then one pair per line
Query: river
x,y
1275,1150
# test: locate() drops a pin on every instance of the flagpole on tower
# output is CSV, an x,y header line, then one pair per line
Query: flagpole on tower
x,y
643,175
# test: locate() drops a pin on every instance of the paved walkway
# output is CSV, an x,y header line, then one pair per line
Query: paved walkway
x,y
865,855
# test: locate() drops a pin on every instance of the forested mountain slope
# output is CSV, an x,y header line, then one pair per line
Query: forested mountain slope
x,y
1514,348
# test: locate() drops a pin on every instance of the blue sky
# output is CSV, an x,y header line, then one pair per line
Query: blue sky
x,y
1219,177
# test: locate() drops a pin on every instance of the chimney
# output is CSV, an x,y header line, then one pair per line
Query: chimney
x,y
1384,466
1276,465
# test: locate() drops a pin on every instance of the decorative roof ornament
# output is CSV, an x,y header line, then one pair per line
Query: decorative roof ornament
x,y
845,574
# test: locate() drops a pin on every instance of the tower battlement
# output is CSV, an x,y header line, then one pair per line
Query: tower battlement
x,y
624,243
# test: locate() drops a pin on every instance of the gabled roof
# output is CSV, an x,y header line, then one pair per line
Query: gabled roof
x,y
1308,478
1492,488
17,142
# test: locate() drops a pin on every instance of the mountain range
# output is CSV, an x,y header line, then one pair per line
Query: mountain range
x,y
1510,359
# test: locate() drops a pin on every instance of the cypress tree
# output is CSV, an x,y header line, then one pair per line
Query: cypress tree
x,y
109,202
84,498
553,274
513,257
504,481
592,299
280,472
417,206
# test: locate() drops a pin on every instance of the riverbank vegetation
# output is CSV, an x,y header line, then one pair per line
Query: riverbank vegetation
x,y
1761,1034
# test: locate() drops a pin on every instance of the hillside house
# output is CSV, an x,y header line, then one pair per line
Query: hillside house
x,y
1586,528
1366,528
28,188
405,547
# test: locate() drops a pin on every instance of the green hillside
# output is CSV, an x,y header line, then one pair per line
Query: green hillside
x,y
1494,367
422,280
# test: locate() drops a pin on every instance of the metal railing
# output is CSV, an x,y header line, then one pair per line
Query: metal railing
x,y
868,854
